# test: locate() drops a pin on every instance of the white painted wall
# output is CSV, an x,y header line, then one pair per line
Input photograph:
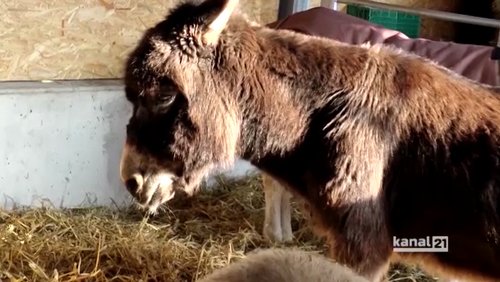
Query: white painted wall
x,y
61,141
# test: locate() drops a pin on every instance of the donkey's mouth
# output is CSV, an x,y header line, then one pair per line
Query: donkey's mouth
x,y
151,191
160,196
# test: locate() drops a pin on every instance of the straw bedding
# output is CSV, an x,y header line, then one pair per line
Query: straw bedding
x,y
183,243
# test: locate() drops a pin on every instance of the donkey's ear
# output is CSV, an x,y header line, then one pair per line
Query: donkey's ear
x,y
219,13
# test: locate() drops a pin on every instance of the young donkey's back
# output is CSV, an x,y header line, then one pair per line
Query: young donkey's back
x,y
379,144
283,265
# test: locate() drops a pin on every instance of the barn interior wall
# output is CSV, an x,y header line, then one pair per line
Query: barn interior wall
x,y
83,39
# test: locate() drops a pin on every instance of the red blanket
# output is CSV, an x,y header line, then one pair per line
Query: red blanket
x,y
472,61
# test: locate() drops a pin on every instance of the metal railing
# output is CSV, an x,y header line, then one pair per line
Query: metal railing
x,y
418,11
298,5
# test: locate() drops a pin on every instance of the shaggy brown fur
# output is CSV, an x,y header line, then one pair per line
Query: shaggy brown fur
x,y
283,265
377,142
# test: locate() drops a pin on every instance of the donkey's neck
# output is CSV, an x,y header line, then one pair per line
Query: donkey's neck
x,y
289,83
273,123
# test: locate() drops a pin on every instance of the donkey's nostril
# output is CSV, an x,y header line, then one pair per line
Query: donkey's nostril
x,y
134,184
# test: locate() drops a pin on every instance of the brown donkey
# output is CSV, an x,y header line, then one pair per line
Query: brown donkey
x,y
381,145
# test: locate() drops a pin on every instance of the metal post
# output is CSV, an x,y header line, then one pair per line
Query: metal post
x,y
332,4
288,7
498,39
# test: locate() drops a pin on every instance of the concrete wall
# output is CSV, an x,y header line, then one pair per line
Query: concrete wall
x,y
61,141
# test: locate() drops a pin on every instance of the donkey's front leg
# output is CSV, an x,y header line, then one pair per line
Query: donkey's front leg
x,y
277,222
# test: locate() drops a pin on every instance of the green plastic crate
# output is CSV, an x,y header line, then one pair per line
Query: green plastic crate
x,y
406,23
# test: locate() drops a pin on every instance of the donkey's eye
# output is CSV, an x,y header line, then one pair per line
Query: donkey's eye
x,y
165,100
167,93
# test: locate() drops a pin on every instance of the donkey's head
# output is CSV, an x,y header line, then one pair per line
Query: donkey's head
x,y
185,118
